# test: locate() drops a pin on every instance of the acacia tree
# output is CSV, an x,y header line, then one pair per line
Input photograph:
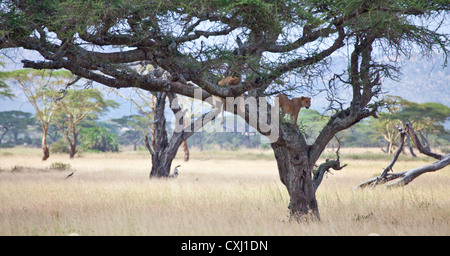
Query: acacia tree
x,y
134,128
41,90
266,43
5,91
14,122
77,106
426,118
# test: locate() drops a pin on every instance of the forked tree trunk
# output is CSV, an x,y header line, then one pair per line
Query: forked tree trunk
x,y
163,152
295,170
296,174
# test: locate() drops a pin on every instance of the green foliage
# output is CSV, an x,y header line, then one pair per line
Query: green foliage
x,y
60,146
99,139
5,91
15,123
76,107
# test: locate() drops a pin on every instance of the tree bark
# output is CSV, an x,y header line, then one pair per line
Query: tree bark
x,y
295,170
73,143
186,151
161,158
72,151
45,151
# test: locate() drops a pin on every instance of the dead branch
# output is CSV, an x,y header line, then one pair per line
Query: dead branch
x,y
406,177
383,177
325,167
419,146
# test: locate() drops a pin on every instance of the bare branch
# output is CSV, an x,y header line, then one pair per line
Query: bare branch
x,y
325,167
407,176
419,146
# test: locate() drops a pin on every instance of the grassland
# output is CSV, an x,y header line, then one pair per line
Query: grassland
x,y
216,193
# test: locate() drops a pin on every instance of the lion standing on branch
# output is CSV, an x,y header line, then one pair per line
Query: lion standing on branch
x,y
292,106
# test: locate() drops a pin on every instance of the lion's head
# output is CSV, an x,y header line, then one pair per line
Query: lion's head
x,y
306,102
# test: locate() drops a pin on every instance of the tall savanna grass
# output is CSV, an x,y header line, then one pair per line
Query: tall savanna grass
x,y
216,193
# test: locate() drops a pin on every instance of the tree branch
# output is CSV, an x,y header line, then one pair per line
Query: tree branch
x,y
419,146
325,167
407,176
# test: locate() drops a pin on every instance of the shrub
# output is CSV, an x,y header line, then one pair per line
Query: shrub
x,y
60,166
99,139
59,146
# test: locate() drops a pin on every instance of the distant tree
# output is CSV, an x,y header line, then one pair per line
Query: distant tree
x,y
41,87
426,119
99,139
134,126
77,106
14,122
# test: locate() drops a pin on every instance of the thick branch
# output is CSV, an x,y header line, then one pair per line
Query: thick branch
x,y
383,177
419,146
323,168
408,176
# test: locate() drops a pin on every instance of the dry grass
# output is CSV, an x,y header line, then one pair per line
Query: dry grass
x,y
216,194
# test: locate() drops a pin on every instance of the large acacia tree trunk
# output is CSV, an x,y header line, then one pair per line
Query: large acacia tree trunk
x,y
295,173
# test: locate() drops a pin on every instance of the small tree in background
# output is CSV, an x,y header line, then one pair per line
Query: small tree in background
x,y
134,128
99,138
14,122
77,106
425,118
41,88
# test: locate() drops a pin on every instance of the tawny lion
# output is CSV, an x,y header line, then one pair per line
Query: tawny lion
x,y
228,81
292,106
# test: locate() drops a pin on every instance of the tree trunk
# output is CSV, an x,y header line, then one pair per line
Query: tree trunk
x,y
72,151
73,144
45,151
162,162
186,151
295,170
296,174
